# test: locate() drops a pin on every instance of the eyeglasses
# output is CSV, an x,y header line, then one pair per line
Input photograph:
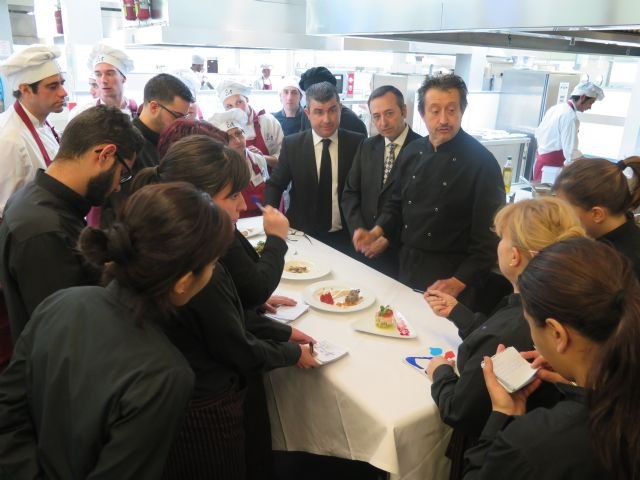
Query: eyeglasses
x,y
176,115
125,172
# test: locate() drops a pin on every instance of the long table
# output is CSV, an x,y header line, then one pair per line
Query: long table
x,y
370,405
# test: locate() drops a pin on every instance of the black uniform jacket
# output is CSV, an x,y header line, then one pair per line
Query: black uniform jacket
x,y
297,164
626,239
549,444
364,194
91,394
443,203
255,276
463,401
38,238
223,342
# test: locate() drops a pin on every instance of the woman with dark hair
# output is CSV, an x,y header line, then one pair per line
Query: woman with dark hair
x,y
95,388
582,302
224,178
226,430
604,198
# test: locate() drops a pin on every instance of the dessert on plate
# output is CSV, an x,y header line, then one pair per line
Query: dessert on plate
x,y
385,318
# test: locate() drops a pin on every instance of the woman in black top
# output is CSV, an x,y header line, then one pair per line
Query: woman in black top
x,y
524,228
582,302
227,345
255,276
604,198
95,389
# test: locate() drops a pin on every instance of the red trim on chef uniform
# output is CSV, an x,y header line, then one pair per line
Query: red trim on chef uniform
x,y
258,142
251,190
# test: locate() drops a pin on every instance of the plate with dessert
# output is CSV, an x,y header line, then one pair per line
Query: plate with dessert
x,y
251,231
335,296
386,322
304,268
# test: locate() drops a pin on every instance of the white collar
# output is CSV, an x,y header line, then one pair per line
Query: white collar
x,y
401,138
317,138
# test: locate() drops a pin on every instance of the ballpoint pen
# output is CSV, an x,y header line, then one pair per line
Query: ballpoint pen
x,y
256,200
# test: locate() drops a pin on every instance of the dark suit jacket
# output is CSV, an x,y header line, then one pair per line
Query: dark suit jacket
x,y
297,164
364,195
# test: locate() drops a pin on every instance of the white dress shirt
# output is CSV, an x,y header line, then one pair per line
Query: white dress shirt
x,y
20,157
336,222
399,141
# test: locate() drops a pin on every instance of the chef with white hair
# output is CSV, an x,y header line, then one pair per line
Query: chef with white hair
x,y
262,130
28,141
290,117
110,66
557,134
264,81
232,122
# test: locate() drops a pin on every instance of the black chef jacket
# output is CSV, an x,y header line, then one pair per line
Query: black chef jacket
x,y
224,342
38,255
443,203
255,276
89,393
626,239
549,444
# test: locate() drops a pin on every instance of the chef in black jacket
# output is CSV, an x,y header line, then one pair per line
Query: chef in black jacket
x,y
582,301
447,189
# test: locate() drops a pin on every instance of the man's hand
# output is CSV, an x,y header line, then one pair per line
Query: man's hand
x,y
376,247
363,238
451,286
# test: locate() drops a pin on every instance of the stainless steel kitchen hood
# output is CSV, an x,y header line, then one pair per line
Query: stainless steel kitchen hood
x,y
571,26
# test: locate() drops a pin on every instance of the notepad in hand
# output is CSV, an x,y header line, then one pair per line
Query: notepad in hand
x,y
513,371
286,313
325,352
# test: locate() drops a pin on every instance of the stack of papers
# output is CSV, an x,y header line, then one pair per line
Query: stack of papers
x,y
326,352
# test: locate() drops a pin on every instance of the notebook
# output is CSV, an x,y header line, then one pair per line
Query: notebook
x,y
325,352
513,371
286,314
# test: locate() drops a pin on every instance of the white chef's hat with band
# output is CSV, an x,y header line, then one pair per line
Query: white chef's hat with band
x,y
197,59
30,65
103,53
588,89
291,81
228,88
233,118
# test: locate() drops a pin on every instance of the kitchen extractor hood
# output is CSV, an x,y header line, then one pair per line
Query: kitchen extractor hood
x,y
609,27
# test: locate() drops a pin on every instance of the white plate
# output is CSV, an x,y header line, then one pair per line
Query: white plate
x,y
251,232
368,325
315,268
312,293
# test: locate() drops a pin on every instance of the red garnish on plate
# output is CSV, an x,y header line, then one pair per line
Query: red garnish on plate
x,y
326,298
449,355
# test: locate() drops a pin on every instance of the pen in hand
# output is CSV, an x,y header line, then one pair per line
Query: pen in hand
x,y
256,200
311,348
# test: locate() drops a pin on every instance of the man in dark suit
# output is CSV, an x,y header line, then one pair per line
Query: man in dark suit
x,y
317,163
370,181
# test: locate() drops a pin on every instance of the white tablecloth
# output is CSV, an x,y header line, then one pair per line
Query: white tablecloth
x,y
369,405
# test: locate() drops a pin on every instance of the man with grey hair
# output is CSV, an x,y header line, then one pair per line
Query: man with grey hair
x,y
317,163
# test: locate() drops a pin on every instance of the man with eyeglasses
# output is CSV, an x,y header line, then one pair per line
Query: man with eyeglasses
x,y
43,221
166,99
110,67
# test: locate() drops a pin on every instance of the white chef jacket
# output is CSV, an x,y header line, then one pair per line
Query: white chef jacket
x,y
271,132
86,106
559,131
20,157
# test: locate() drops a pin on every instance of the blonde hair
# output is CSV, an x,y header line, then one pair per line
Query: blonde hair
x,y
537,223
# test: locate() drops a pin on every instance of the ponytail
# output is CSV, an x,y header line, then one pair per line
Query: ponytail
x,y
633,163
146,176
